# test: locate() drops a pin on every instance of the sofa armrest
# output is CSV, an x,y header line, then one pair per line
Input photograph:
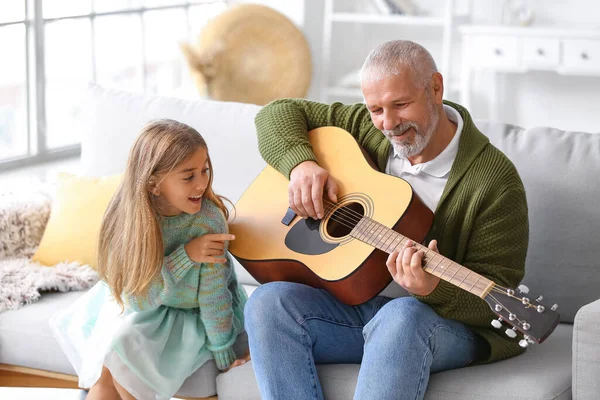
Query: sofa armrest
x,y
23,218
586,352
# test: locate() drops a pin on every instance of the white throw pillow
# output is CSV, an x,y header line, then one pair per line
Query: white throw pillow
x,y
112,119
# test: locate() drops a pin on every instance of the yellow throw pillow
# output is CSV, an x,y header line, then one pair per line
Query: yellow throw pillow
x,y
74,226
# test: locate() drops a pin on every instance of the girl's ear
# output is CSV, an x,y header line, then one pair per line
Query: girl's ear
x,y
154,188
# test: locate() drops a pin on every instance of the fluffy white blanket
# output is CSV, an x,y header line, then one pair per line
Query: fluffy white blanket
x,y
24,212
21,282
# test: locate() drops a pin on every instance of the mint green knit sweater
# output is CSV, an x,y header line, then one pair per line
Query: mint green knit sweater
x,y
211,288
480,221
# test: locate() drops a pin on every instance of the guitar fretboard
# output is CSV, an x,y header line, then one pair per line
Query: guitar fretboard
x,y
383,238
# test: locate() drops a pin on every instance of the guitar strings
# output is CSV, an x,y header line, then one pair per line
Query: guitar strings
x,y
347,215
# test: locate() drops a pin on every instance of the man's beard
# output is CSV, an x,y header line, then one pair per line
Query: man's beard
x,y
408,148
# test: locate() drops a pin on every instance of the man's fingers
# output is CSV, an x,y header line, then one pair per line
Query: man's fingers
x,y
307,202
317,195
291,201
332,189
433,246
298,205
391,263
407,257
306,196
416,264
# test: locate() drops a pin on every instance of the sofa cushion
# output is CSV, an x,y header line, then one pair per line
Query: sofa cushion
x,y
27,341
560,171
25,336
111,120
76,216
541,373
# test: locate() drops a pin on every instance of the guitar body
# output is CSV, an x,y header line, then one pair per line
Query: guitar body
x,y
323,253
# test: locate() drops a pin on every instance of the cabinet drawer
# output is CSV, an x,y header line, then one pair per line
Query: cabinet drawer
x,y
495,51
540,52
581,54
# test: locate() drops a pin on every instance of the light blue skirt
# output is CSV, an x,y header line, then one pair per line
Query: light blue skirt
x,y
149,353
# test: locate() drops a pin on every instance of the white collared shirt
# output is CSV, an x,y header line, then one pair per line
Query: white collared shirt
x,y
428,179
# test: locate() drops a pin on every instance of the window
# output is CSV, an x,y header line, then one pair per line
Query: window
x,y
52,48
13,80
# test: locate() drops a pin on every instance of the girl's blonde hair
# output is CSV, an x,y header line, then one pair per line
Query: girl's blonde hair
x,y
131,249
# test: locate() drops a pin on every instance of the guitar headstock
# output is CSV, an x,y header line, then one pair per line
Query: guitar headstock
x,y
534,320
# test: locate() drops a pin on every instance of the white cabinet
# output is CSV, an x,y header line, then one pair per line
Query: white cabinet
x,y
519,50
539,52
443,24
581,55
494,51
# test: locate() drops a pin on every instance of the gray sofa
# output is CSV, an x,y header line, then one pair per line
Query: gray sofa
x,y
561,173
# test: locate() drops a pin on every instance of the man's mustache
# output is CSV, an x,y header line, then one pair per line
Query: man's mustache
x,y
400,129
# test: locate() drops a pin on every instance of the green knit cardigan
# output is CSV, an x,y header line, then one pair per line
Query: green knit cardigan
x,y
480,221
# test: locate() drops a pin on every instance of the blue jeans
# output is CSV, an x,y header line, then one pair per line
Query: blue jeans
x,y
398,342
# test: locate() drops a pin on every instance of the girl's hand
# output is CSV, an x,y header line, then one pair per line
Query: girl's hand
x,y
209,248
240,361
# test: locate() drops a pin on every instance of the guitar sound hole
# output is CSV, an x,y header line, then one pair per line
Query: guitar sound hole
x,y
344,219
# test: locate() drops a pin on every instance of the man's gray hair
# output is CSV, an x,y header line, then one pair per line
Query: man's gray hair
x,y
388,59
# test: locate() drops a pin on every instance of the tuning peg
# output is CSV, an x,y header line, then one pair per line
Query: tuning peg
x,y
511,333
528,338
523,289
540,298
526,341
554,307
497,323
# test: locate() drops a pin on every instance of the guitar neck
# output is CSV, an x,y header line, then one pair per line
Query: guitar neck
x,y
385,239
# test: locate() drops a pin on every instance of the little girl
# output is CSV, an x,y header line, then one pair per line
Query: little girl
x,y
169,299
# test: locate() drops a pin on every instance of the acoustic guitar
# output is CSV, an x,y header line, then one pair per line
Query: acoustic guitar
x,y
345,252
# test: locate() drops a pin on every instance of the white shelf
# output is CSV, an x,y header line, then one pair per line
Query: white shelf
x,y
442,23
408,20
501,30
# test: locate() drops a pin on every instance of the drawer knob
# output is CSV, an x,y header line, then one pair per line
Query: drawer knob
x,y
498,51
540,52
585,56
